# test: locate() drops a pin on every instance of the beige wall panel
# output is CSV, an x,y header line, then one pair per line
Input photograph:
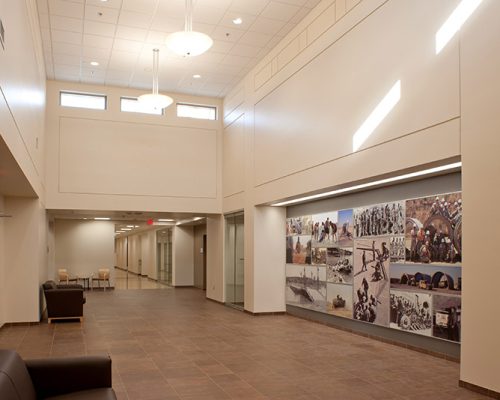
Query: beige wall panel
x,y
263,75
288,53
104,157
233,203
321,24
215,263
182,256
22,88
269,266
480,64
84,246
310,118
233,172
396,155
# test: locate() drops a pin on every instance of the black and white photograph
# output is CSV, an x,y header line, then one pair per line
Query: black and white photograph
x,y
306,286
379,220
371,280
434,229
411,312
339,300
439,279
339,263
318,256
298,249
397,249
447,312
299,226
325,229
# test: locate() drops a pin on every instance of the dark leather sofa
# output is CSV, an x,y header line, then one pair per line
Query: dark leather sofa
x,y
78,378
63,301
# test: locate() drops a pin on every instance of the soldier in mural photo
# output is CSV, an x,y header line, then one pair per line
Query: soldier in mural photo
x,y
378,220
397,248
434,229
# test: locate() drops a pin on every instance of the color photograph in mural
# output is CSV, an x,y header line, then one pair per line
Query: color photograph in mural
x,y
440,279
434,229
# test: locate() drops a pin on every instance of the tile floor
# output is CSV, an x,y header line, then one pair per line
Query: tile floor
x,y
175,344
127,280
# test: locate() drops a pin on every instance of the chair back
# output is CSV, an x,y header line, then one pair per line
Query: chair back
x,y
103,273
63,274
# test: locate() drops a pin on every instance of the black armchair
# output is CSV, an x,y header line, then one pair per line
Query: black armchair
x,y
56,378
63,301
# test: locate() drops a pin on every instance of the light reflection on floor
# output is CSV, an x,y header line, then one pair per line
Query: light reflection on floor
x,y
126,280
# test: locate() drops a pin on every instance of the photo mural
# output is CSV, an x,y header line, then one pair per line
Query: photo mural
x,y
395,264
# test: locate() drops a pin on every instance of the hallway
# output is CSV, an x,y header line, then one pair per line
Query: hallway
x,y
175,344
128,280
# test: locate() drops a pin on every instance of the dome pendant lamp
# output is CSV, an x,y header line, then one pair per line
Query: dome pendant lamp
x,y
188,43
154,99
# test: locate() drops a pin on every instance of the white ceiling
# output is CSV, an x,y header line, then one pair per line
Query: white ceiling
x,y
120,35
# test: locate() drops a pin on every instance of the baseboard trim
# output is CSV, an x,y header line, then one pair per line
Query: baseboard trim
x,y
10,324
184,287
265,313
215,301
479,389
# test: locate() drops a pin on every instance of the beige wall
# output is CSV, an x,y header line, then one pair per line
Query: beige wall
x,y
111,160
148,254
215,251
295,113
84,246
22,86
134,253
25,259
182,256
199,273
480,64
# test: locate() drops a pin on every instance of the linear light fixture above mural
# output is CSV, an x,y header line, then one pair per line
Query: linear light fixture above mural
x,y
380,182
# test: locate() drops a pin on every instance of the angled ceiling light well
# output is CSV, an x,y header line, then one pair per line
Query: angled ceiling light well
x,y
188,43
154,99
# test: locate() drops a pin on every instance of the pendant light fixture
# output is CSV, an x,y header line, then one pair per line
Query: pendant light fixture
x,y
188,43
154,99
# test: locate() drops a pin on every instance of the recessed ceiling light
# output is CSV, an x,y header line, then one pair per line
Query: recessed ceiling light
x,y
94,63
136,226
166,220
126,229
196,76
237,21
130,226
102,218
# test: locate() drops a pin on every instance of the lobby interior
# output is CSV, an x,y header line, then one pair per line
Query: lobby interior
x,y
311,106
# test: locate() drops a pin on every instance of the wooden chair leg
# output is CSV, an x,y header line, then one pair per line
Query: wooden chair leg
x,y
50,320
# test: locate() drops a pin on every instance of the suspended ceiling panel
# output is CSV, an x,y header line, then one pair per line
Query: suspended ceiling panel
x,y
121,34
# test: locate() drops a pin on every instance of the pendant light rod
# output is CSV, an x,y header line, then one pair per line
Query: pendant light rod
x,y
156,57
188,21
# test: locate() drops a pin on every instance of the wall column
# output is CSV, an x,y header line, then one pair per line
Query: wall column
x,y
480,96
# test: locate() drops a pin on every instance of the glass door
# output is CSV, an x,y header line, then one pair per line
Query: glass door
x,y
164,255
235,260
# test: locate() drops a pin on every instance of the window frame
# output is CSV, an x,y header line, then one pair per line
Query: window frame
x,y
86,94
206,106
